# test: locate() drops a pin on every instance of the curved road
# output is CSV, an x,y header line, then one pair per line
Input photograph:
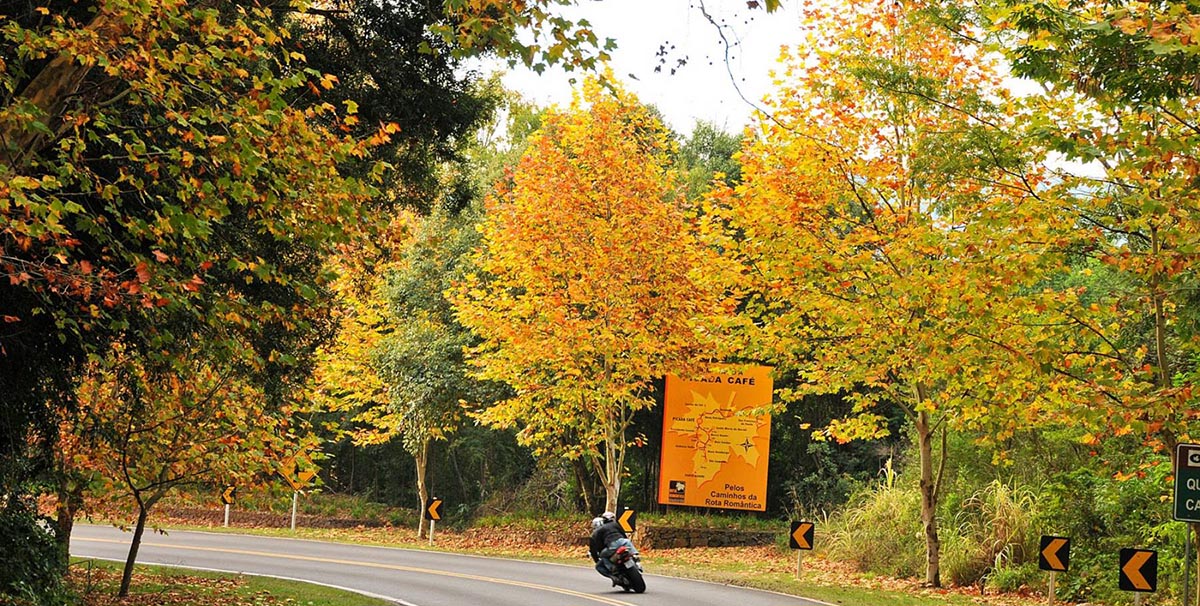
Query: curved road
x,y
410,577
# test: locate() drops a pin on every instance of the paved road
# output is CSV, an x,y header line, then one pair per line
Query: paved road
x,y
410,577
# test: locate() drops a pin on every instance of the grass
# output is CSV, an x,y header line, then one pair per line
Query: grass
x,y
96,583
772,569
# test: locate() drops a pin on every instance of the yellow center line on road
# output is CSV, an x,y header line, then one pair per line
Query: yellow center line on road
x,y
445,573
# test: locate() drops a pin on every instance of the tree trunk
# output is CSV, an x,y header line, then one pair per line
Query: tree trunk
x,y
611,491
49,91
70,497
127,575
612,472
929,500
422,461
585,484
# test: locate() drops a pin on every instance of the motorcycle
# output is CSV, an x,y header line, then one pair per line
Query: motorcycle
x,y
627,568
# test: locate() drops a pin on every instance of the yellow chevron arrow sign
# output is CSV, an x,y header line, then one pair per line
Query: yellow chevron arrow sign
x,y
628,520
433,509
802,535
1055,554
1139,570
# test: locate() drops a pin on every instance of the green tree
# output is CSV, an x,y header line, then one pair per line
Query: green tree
x,y
706,154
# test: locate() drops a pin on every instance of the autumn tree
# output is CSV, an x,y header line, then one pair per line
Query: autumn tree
x,y
397,369
893,238
145,429
1119,79
590,282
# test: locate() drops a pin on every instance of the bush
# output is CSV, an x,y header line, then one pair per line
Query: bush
x,y
993,527
880,531
34,564
1011,578
964,560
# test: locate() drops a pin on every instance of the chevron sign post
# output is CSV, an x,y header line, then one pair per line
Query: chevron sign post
x,y
801,539
627,519
1138,573
227,499
1054,556
433,513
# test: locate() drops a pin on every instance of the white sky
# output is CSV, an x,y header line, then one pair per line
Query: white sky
x,y
701,89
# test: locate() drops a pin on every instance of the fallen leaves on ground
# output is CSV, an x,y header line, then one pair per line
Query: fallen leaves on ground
x,y
98,587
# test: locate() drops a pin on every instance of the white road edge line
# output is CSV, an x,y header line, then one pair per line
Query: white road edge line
x,y
271,576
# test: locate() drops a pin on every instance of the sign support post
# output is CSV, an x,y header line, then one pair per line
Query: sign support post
x,y
227,499
296,478
1187,496
433,513
1054,556
801,538
1187,560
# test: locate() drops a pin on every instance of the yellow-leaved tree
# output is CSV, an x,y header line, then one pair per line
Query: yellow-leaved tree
x,y
591,282
894,241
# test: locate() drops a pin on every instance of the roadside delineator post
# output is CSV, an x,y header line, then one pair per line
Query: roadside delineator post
x,y
801,539
297,477
1138,572
227,499
433,513
1054,556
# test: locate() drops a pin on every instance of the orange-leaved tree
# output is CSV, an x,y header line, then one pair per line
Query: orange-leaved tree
x,y
591,282
893,240
144,428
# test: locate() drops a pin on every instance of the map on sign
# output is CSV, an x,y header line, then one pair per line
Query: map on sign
x,y
717,434
714,446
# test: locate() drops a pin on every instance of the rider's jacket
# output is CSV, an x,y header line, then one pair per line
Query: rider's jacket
x,y
604,536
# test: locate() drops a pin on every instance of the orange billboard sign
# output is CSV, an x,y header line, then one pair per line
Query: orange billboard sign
x,y
714,450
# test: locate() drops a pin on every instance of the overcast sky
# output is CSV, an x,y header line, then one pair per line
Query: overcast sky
x,y
699,90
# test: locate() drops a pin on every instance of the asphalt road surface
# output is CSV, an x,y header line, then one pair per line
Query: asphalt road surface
x,y
410,577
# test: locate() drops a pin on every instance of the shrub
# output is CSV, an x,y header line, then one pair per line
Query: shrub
x,y
1010,578
993,526
33,560
964,560
880,531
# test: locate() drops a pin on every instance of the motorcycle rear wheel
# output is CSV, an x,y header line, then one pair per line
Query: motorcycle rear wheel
x,y
636,582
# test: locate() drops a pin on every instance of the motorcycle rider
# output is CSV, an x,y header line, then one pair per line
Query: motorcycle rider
x,y
607,537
